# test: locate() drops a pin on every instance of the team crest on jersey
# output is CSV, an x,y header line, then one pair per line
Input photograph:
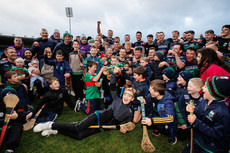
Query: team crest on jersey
x,y
211,114
224,77
225,44
161,107
60,96
1,114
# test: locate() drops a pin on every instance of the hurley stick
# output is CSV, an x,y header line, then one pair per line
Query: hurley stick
x,y
70,84
66,87
127,126
30,124
10,101
66,83
191,143
146,144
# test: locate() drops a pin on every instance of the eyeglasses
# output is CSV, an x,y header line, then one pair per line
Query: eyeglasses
x,y
129,95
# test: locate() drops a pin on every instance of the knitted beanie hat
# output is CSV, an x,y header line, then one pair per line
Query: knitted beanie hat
x,y
91,41
160,54
6,91
56,31
83,36
65,34
170,71
218,87
188,74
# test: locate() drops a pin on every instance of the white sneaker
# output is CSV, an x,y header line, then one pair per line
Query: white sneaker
x,y
77,106
42,126
72,93
49,132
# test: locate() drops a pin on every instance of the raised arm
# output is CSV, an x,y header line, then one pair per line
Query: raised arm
x,y
98,75
49,62
98,28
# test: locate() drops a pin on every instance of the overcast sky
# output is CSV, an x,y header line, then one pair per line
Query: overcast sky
x,y
27,17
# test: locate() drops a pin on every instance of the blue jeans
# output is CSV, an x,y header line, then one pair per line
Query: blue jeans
x,y
33,78
48,116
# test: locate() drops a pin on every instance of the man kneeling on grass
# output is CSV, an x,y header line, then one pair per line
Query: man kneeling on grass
x,y
116,113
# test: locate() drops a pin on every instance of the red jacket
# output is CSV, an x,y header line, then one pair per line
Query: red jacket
x,y
214,70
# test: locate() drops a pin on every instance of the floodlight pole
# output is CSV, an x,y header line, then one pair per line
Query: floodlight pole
x,y
69,14
69,25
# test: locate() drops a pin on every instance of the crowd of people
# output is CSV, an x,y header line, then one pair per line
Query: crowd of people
x,y
185,83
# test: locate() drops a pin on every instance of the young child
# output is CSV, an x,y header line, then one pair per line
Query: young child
x,y
13,82
168,76
34,73
117,112
47,71
76,61
22,72
211,132
164,119
54,100
192,93
93,57
145,63
141,86
17,119
127,68
182,81
61,67
129,71
92,95
156,71
104,59
114,60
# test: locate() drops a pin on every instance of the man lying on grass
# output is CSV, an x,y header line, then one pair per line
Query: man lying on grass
x,y
116,113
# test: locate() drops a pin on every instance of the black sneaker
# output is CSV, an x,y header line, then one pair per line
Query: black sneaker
x,y
156,133
172,141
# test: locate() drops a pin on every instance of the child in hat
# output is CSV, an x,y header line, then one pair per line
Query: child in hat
x,y
183,79
168,75
17,118
156,71
104,59
211,118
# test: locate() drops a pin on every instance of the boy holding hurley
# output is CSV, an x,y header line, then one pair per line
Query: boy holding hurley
x,y
211,118
163,118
